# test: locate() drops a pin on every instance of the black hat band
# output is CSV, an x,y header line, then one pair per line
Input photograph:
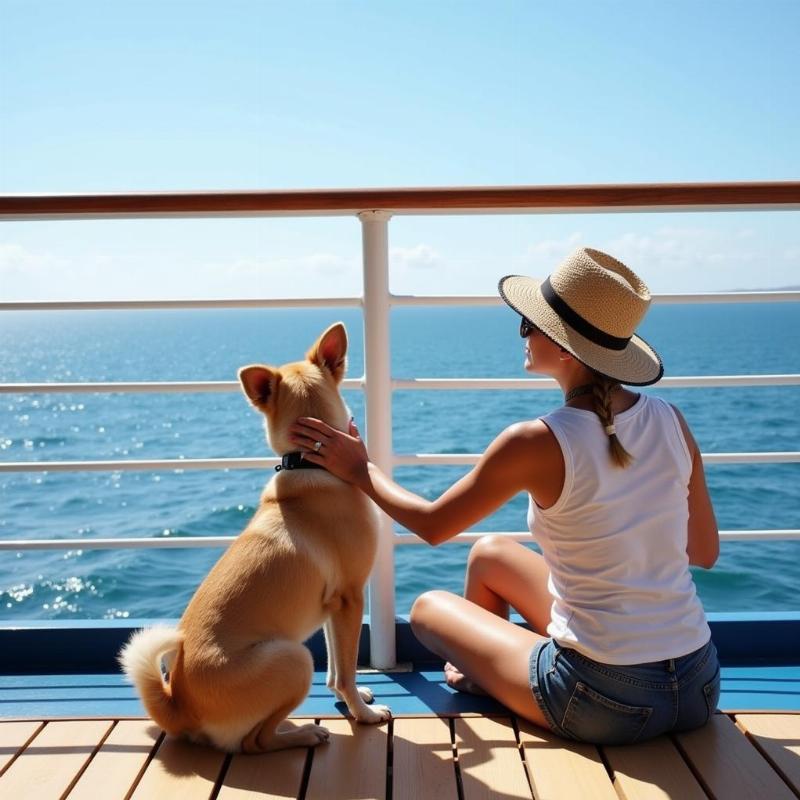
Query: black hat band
x,y
578,323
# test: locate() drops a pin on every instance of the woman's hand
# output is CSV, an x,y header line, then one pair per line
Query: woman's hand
x,y
502,471
342,454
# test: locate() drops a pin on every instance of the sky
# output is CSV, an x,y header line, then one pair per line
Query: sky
x,y
188,95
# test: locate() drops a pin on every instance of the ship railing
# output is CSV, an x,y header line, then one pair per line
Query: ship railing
x,y
374,208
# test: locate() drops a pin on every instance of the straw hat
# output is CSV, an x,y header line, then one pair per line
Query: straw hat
x,y
591,306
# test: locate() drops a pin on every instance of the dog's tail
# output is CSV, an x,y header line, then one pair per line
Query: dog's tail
x,y
141,660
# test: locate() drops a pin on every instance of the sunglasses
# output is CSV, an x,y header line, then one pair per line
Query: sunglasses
x,y
526,328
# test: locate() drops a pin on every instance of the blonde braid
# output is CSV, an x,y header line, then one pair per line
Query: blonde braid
x,y
602,389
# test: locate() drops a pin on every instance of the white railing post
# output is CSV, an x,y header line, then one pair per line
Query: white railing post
x,y
378,401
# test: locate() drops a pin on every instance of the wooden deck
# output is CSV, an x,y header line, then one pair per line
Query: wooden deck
x,y
737,756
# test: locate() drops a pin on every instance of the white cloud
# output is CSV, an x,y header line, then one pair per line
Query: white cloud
x,y
547,252
683,259
27,274
320,274
696,259
34,275
14,258
422,269
451,256
327,262
420,256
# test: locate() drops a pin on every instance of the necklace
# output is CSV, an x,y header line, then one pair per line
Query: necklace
x,y
587,388
577,392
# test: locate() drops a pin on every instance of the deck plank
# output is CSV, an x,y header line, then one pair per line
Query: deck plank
x,y
180,769
352,765
422,759
563,769
13,737
119,761
778,737
489,759
268,775
653,770
729,765
50,763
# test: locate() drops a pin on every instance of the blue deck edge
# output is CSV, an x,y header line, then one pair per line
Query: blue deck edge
x,y
68,670
91,646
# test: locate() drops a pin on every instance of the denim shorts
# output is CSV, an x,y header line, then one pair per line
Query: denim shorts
x,y
599,703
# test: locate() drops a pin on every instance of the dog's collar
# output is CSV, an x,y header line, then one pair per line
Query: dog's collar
x,y
295,460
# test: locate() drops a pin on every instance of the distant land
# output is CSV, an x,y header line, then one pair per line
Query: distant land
x,y
795,288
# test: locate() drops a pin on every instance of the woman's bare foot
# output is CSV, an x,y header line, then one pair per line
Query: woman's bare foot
x,y
461,683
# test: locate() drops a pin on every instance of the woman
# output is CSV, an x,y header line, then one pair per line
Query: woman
x,y
619,649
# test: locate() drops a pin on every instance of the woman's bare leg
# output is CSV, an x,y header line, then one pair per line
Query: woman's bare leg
x,y
491,651
503,573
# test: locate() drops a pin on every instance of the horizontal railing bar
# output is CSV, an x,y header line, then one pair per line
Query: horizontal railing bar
x,y
193,542
403,460
178,542
347,302
466,300
465,459
770,296
143,305
130,465
755,195
786,534
707,381
121,387
677,382
781,457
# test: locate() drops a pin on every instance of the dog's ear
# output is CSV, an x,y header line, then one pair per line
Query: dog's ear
x,y
260,384
330,350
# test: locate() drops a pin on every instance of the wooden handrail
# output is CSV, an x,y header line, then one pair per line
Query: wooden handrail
x,y
472,199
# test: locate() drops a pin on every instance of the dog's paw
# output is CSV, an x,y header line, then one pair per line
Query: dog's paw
x,y
372,715
366,693
311,735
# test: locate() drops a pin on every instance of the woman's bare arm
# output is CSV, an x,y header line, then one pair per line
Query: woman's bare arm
x,y
703,541
510,465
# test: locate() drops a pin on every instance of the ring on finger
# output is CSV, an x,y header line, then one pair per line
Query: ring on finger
x,y
317,446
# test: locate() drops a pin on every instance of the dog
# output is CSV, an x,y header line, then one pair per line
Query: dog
x,y
236,665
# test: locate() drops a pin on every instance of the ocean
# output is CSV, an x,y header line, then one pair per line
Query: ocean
x,y
426,342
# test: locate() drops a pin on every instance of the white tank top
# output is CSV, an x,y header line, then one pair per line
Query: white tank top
x,y
615,540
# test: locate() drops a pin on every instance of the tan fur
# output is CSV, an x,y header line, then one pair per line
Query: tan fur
x,y
237,663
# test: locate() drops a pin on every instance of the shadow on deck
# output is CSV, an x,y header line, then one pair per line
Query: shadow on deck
x,y
501,757
71,728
